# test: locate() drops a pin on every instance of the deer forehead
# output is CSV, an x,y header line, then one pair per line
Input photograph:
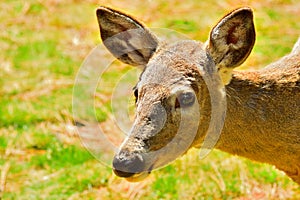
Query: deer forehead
x,y
174,67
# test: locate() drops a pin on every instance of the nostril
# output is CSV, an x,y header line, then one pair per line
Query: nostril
x,y
127,167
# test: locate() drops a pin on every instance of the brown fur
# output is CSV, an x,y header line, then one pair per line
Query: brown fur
x,y
262,121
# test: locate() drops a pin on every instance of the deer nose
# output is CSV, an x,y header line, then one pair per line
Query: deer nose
x,y
127,167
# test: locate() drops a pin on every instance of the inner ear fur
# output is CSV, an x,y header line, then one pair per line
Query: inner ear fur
x,y
232,39
125,37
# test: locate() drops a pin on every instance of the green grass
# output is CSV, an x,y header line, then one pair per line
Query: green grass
x,y
184,26
43,44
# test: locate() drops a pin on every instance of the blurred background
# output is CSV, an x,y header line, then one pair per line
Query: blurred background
x,y
43,44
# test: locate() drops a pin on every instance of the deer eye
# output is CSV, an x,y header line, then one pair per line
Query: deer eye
x,y
185,99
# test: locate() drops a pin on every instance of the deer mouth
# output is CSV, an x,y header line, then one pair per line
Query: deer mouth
x,y
138,177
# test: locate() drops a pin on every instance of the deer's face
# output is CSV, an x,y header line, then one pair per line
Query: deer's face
x,y
168,100
172,99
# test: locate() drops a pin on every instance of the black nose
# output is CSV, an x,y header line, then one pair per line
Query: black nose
x,y
127,167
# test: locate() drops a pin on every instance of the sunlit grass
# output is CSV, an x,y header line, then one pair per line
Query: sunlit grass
x,y
43,45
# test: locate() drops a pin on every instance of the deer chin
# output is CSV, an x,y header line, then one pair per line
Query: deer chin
x,y
138,177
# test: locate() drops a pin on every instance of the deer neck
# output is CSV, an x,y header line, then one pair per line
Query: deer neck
x,y
262,117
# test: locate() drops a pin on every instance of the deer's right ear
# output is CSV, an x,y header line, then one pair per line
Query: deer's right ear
x,y
126,38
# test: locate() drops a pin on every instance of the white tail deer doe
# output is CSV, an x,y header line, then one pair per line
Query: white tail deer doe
x,y
263,107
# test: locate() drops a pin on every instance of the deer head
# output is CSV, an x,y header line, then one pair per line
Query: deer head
x,y
173,105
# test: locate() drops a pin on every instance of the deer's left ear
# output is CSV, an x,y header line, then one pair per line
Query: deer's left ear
x,y
231,41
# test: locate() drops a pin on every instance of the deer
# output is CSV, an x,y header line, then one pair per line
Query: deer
x,y
174,104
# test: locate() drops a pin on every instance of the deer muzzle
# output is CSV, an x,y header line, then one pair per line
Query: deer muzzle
x,y
135,158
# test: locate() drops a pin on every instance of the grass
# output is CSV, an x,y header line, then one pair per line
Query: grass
x,y
43,45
